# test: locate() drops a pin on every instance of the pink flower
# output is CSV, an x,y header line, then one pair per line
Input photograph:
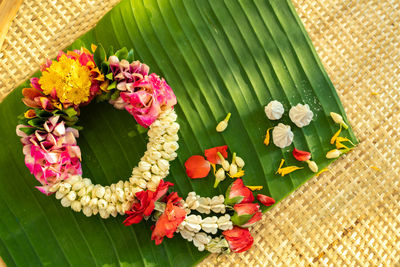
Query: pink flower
x,y
51,155
237,193
147,98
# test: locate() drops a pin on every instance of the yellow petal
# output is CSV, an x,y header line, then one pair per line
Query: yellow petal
x,y
376,168
280,165
335,136
288,170
375,93
267,137
93,47
339,145
239,174
321,171
254,187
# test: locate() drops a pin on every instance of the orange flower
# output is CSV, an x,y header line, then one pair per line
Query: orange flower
x,y
169,221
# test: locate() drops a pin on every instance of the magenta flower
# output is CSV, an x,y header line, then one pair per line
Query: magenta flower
x,y
148,97
51,155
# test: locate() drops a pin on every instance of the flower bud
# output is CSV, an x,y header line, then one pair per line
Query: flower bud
x,y
337,118
87,211
239,162
85,200
223,124
232,169
312,165
71,196
219,176
76,206
333,154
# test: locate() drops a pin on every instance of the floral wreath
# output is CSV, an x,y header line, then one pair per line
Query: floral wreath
x,y
48,131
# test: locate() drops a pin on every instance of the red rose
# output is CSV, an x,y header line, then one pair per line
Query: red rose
x,y
212,154
197,167
237,192
239,239
246,214
145,205
266,200
169,221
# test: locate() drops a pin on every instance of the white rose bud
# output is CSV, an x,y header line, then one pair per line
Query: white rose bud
x,y
144,166
76,206
71,196
102,204
85,200
65,202
95,211
78,186
59,195
87,211
65,188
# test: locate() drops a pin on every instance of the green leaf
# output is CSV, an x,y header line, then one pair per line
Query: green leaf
x,y
115,95
109,76
131,56
99,55
28,130
122,53
219,57
112,85
71,112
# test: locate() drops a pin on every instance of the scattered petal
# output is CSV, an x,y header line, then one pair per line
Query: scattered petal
x,y
212,154
266,200
286,170
335,136
267,137
321,171
254,187
197,167
301,155
239,174
376,168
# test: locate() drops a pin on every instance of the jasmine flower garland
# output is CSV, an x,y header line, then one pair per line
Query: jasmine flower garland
x,y
49,132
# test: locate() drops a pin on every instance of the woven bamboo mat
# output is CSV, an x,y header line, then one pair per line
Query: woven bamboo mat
x,y
348,216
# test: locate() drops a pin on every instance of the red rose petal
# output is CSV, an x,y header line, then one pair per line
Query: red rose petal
x,y
197,167
301,155
212,156
266,200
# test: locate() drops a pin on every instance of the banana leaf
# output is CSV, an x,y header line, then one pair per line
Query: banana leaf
x,y
219,57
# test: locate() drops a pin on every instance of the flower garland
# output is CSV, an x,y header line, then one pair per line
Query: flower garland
x,y
49,132
48,129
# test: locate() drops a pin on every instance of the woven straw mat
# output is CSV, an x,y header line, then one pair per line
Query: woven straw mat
x,y
346,217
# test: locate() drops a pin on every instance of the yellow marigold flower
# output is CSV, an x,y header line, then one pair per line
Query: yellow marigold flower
x,y
69,79
286,170
254,187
